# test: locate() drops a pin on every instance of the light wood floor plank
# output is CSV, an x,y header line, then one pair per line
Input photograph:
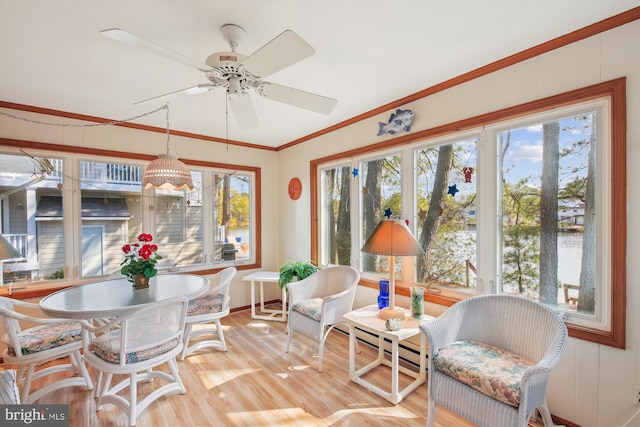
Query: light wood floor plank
x,y
256,383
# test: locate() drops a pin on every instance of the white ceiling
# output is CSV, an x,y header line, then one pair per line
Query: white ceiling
x,y
368,53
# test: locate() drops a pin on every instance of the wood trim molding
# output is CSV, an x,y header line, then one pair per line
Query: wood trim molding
x,y
75,116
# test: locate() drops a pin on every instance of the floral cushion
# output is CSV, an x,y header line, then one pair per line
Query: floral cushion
x,y
309,307
45,337
488,369
107,347
205,305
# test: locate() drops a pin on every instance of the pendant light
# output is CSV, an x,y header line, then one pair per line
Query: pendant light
x,y
167,172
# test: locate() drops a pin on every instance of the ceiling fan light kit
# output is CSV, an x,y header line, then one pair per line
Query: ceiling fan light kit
x,y
239,74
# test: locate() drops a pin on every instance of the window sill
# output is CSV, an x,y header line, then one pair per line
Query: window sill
x,y
39,289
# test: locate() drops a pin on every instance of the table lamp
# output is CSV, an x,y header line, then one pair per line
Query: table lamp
x,y
393,238
7,251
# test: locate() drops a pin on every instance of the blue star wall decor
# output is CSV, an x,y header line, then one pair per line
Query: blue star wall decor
x,y
355,172
387,213
453,189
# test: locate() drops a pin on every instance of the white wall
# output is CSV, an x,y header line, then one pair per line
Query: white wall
x,y
593,385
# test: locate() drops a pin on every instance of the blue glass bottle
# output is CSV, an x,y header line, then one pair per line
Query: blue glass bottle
x,y
383,297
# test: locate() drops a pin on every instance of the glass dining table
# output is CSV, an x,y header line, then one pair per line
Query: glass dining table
x,y
109,298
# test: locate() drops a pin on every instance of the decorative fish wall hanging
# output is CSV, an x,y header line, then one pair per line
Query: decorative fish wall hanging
x,y
398,122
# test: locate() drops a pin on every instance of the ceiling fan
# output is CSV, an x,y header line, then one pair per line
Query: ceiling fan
x,y
239,73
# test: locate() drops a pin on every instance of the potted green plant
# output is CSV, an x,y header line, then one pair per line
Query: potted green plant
x,y
299,269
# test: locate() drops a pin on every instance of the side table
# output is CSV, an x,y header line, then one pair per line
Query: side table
x,y
263,277
367,319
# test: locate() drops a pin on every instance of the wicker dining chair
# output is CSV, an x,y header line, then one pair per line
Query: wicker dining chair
x,y
489,359
208,309
31,348
133,345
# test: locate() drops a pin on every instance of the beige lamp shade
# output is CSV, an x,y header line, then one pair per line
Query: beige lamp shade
x,y
392,237
7,250
167,173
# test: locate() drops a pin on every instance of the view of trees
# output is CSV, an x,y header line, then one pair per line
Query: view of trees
x,y
548,192
534,188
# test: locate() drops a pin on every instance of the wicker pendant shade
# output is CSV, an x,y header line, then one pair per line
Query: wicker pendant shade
x,y
167,173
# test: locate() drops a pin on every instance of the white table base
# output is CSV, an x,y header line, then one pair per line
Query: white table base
x,y
263,277
374,325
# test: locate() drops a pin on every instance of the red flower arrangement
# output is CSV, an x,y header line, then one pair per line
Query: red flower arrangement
x,y
140,258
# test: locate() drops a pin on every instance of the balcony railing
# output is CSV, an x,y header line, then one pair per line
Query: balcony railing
x,y
19,241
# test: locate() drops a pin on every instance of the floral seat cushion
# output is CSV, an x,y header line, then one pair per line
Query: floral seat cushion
x,y
488,369
45,337
107,346
205,305
309,307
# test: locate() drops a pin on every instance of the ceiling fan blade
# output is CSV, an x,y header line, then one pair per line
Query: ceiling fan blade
x,y
243,110
281,52
127,38
298,98
194,90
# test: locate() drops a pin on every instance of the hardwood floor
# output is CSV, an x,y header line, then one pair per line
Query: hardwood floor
x,y
255,383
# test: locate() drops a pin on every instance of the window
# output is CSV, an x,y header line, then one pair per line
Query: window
x,y
105,207
335,194
530,200
111,213
233,206
549,175
380,197
446,214
30,196
179,223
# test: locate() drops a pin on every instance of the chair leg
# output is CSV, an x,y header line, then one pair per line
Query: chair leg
x,y
290,336
173,366
105,389
431,414
545,414
26,386
98,388
221,335
133,398
187,337
78,362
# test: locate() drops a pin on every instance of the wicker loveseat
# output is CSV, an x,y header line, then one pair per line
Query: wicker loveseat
x,y
490,357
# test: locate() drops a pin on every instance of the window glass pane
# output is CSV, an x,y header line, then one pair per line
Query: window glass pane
x,y
29,222
336,222
111,204
232,211
380,196
179,220
446,214
549,212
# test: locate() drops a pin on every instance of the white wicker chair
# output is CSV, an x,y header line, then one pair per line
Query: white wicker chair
x,y
317,303
515,324
207,309
49,339
133,344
